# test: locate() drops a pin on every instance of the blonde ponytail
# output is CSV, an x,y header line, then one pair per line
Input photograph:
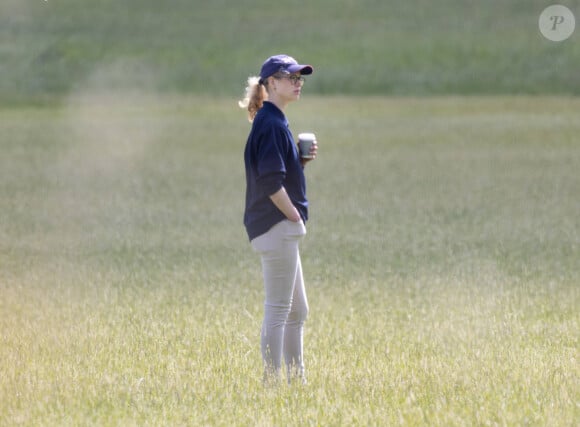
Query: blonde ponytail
x,y
255,95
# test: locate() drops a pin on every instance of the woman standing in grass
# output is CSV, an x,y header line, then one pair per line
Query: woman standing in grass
x,y
276,210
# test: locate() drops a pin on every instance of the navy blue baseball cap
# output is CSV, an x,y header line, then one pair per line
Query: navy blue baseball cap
x,y
282,64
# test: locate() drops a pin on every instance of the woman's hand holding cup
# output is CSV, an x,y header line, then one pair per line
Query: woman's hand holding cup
x,y
307,146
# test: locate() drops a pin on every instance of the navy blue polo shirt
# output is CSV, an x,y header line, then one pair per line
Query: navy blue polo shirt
x,y
272,162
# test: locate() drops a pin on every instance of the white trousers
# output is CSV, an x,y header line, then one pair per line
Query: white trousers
x,y
285,304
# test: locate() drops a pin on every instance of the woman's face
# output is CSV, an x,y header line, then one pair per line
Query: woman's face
x,y
287,86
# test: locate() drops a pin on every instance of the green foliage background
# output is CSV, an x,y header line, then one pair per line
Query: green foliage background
x,y
420,47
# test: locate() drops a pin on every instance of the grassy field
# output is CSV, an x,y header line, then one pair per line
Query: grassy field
x,y
441,263
51,48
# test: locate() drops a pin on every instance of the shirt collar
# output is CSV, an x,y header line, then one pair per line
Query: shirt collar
x,y
275,110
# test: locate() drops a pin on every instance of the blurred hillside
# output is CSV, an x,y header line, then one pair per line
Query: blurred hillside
x,y
49,48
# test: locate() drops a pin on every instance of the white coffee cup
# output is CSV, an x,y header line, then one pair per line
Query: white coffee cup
x,y
305,141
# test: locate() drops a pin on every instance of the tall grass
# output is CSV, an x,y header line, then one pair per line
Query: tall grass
x,y
50,48
441,264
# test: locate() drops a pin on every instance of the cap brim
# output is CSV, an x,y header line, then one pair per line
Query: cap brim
x,y
303,69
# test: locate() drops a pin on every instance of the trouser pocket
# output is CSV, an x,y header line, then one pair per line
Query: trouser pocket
x,y
279,235
295,229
